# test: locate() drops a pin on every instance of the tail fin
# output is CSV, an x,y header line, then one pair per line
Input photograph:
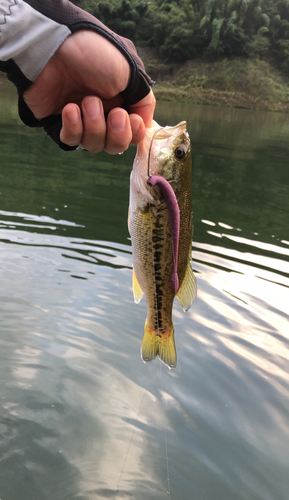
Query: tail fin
x,y
155,345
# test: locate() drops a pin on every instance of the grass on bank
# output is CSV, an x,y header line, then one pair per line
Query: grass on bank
x,y
248,83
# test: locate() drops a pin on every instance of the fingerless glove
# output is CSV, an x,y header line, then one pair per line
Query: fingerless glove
x,y
30,33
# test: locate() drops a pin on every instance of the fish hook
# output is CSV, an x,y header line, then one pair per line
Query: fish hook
x,y
150,149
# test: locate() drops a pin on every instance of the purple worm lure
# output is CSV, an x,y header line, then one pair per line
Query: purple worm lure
x,y
174,214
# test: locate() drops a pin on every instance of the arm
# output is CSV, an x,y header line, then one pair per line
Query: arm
x,y
65,62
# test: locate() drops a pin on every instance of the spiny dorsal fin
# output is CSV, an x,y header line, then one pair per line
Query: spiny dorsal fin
x,y
188,290
137,291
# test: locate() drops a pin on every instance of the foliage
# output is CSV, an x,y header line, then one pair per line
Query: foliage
x,y
242,82
180,30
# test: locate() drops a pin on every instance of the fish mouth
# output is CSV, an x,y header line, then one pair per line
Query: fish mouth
x,y
165,137
164,132
157,139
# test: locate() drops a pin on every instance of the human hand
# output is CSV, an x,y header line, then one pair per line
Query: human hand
x,y
82,81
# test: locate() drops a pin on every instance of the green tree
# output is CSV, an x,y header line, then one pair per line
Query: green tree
x,y
183,29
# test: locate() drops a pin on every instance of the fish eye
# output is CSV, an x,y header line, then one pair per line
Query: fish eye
x,y
180,152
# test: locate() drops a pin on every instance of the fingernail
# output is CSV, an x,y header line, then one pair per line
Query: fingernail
x,y
92,108
118,121
73,115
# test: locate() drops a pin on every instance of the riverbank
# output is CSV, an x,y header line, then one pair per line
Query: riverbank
x,y
244,83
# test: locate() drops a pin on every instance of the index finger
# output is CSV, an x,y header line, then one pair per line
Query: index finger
x,y
145,109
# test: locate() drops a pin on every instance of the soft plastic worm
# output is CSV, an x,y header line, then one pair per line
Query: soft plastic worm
x,y
174,216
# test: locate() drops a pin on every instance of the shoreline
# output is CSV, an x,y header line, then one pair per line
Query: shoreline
x,y
238,83
213,97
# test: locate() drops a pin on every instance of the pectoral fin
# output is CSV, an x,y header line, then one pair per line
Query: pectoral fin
x,y
188,290
137,291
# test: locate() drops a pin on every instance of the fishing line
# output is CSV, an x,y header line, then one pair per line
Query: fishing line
x,y
130,443
166,440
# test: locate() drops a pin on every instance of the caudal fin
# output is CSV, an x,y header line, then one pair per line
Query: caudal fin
x,y
163,346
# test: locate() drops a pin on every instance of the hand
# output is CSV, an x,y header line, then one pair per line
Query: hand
x,y
82,80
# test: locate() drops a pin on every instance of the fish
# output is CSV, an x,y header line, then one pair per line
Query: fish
x,y
161,228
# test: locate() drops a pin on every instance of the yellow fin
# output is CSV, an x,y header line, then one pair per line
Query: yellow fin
x,y
163,346
188,290
137,291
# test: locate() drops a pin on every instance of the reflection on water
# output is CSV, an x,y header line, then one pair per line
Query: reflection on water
x,y
81,417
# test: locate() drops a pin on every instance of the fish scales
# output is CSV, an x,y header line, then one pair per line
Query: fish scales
x,y
152,236
152,264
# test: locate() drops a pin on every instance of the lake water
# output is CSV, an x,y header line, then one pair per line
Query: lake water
x,y
81,417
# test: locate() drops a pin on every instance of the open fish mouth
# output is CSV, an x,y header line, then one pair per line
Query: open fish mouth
x,y
160,140
164,132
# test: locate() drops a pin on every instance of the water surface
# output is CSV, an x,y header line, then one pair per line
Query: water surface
x,y
81,417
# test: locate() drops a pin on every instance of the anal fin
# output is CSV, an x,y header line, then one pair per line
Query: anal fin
x,y
188,290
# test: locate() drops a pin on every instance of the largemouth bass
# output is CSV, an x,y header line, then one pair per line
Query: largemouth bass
x,y
161,228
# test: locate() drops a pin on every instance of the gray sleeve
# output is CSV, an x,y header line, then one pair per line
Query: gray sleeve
x,y
28,37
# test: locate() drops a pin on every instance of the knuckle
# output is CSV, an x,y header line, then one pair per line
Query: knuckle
x,y
92,145
114,149
69,140
94,149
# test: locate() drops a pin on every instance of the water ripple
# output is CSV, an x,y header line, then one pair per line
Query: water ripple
x,y
75,392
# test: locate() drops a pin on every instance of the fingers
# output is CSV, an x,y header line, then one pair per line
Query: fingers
x,y
72,127
89,128
93,138
119,133
137,127
95,134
